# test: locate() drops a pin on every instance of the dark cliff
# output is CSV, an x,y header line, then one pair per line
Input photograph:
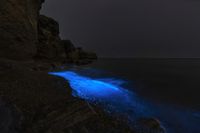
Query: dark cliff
x,y
25,34
19,28
49,45
31,101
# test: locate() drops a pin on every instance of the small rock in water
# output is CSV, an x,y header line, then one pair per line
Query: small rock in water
x,y
149,125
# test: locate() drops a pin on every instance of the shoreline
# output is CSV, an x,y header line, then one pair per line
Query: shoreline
x,y
44,102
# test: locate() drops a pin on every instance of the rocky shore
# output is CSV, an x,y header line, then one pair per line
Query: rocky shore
x,y
34,102
31,101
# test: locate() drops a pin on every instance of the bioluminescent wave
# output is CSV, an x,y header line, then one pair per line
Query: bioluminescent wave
x,y
107,92
114,98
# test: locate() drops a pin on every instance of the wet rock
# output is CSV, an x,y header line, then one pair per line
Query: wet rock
x,y
149,125
48,106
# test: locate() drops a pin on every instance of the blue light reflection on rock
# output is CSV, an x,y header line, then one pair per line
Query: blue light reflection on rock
x,y
107,92
115,99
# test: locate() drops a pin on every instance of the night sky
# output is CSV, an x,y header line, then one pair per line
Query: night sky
x,y
130,28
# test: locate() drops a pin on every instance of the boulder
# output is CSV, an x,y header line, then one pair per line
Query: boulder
x,y
81,57
149,125
77,55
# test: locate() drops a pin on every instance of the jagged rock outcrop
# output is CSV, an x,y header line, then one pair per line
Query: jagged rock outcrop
x,y
149,125
25,34
77,55
68,47
18,28
81,57
49,45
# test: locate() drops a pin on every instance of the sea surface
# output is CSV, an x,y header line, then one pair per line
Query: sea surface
x,y
167,89
173,81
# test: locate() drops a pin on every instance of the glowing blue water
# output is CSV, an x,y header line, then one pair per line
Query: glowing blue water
x,y
116,99
107,92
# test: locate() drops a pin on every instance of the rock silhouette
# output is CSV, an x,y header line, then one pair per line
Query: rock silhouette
x,y
33,101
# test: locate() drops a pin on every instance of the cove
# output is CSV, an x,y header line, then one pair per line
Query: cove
x,y
114,98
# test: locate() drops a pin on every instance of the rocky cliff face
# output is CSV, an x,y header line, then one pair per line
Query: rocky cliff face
x,y
25,34
31,101
18,28
49,45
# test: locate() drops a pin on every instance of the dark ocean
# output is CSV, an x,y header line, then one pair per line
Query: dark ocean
x,y
170,81
168,89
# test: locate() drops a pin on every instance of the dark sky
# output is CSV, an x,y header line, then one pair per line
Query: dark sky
x,y
130,28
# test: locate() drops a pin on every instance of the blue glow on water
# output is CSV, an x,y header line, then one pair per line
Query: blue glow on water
x,y
107,92
110,93
95,88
